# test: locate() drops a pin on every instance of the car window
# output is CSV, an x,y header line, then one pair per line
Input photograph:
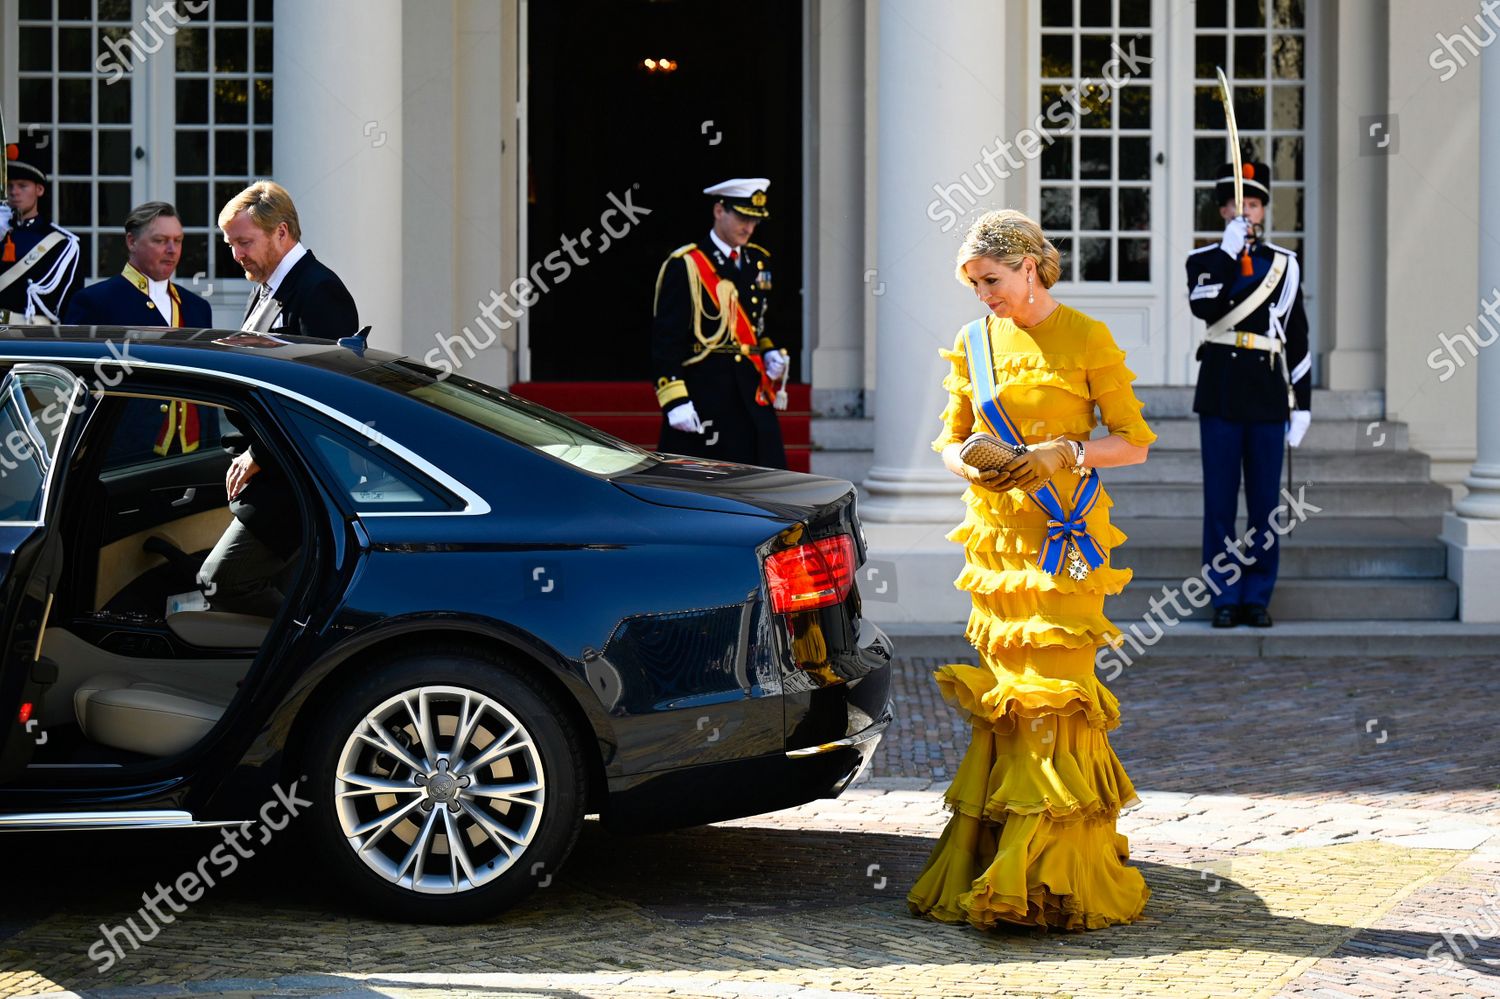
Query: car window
x,y
513,417
147,431
373,478
33,413
22,472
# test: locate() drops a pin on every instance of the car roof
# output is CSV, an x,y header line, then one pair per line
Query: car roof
x,y
203,348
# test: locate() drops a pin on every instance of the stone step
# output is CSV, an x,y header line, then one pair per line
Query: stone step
x,y
845,433
928,645
1323,435
1334,499
1163,401
1315,599
851,465
1337,548
1166,466
844,447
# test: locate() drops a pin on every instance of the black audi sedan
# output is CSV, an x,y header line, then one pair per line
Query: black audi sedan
x,y
483,621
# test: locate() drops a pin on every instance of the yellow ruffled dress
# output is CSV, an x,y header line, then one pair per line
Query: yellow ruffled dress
x,y
1032,838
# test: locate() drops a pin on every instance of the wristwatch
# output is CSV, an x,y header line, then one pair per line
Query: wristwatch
x,y
1078,458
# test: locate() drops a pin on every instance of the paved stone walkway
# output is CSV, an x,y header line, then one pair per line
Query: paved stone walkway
x,y
1291,851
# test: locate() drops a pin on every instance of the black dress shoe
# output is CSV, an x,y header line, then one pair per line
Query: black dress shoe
x,y
1226,617
1257,616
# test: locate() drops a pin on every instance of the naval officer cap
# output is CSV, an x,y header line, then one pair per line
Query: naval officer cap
x,y
746,195
1257,178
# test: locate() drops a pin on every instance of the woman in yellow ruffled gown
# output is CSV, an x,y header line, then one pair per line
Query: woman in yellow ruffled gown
x,y
1031,839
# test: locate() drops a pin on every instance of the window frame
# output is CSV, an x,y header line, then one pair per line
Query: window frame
x,y
153,133
300,419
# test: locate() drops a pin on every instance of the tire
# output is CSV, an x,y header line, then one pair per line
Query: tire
x,y
386,800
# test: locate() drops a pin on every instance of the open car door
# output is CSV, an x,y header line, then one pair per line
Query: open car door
x,y
43,409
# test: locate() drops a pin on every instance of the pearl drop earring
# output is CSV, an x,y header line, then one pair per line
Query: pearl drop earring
x,y
1029,296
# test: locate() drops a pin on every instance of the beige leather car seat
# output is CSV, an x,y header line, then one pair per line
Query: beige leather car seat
x,y
126,712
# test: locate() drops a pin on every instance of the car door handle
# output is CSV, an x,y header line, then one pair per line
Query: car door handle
x,y
187,497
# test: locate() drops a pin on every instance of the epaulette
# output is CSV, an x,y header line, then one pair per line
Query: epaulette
x,y
757,246
1279,249
683,251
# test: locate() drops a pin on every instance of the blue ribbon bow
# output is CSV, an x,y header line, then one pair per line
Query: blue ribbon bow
x,y
1063,530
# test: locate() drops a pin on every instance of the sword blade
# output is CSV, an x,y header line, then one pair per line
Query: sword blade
x,y
1227,97
4,157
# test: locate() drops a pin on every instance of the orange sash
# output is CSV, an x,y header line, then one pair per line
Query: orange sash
x,y
765,392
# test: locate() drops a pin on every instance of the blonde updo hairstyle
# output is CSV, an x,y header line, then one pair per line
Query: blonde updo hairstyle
x,y
1009,237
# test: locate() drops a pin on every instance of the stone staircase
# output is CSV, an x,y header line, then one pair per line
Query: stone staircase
x,y
1371,553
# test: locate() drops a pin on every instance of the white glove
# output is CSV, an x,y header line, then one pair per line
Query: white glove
x,y
1235,235
775,362
5,219
685,418
1297,428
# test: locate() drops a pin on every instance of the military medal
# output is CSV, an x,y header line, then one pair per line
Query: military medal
x,y
1077,567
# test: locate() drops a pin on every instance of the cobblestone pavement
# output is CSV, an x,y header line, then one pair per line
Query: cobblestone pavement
x,y
1293,848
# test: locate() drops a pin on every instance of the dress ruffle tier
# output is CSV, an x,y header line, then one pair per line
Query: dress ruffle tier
x,y
1031,840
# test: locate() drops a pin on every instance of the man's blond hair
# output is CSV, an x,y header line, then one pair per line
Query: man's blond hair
x,y
268,204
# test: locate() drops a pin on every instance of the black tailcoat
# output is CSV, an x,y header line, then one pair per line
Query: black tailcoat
x,y
314,302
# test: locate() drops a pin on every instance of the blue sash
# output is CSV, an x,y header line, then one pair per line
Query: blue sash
x,y
1063,530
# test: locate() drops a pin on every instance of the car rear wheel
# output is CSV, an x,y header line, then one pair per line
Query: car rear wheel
x,y
447,787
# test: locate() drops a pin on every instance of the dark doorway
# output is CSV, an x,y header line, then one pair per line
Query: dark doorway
x,y
601,122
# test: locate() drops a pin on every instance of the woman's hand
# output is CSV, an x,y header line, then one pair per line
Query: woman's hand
x,y
1034,469
968,473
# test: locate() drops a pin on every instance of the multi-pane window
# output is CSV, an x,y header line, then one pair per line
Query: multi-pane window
x,y
1096,196
81,66
223,137
79,117
1261,45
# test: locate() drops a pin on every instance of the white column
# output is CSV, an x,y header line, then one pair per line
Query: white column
x,y
940,87
1473,530
338,145
837,201
1355,182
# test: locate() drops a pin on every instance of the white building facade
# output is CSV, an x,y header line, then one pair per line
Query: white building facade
x,y
401,130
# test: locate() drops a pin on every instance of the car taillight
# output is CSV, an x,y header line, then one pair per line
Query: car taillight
x,y
813,575
25,712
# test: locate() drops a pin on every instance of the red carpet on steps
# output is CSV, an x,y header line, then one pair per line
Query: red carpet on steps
x,y
629,411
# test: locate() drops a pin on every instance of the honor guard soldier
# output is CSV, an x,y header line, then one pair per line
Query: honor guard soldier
x,y
38,260
1254,391
719,378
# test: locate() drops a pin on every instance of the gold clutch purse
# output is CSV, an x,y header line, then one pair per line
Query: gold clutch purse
x,y
987,452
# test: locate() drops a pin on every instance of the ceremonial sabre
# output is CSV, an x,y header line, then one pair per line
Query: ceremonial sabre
x,y
9,252
1247,267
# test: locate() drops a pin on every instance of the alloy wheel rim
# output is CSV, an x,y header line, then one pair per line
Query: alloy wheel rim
x,y
439,789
